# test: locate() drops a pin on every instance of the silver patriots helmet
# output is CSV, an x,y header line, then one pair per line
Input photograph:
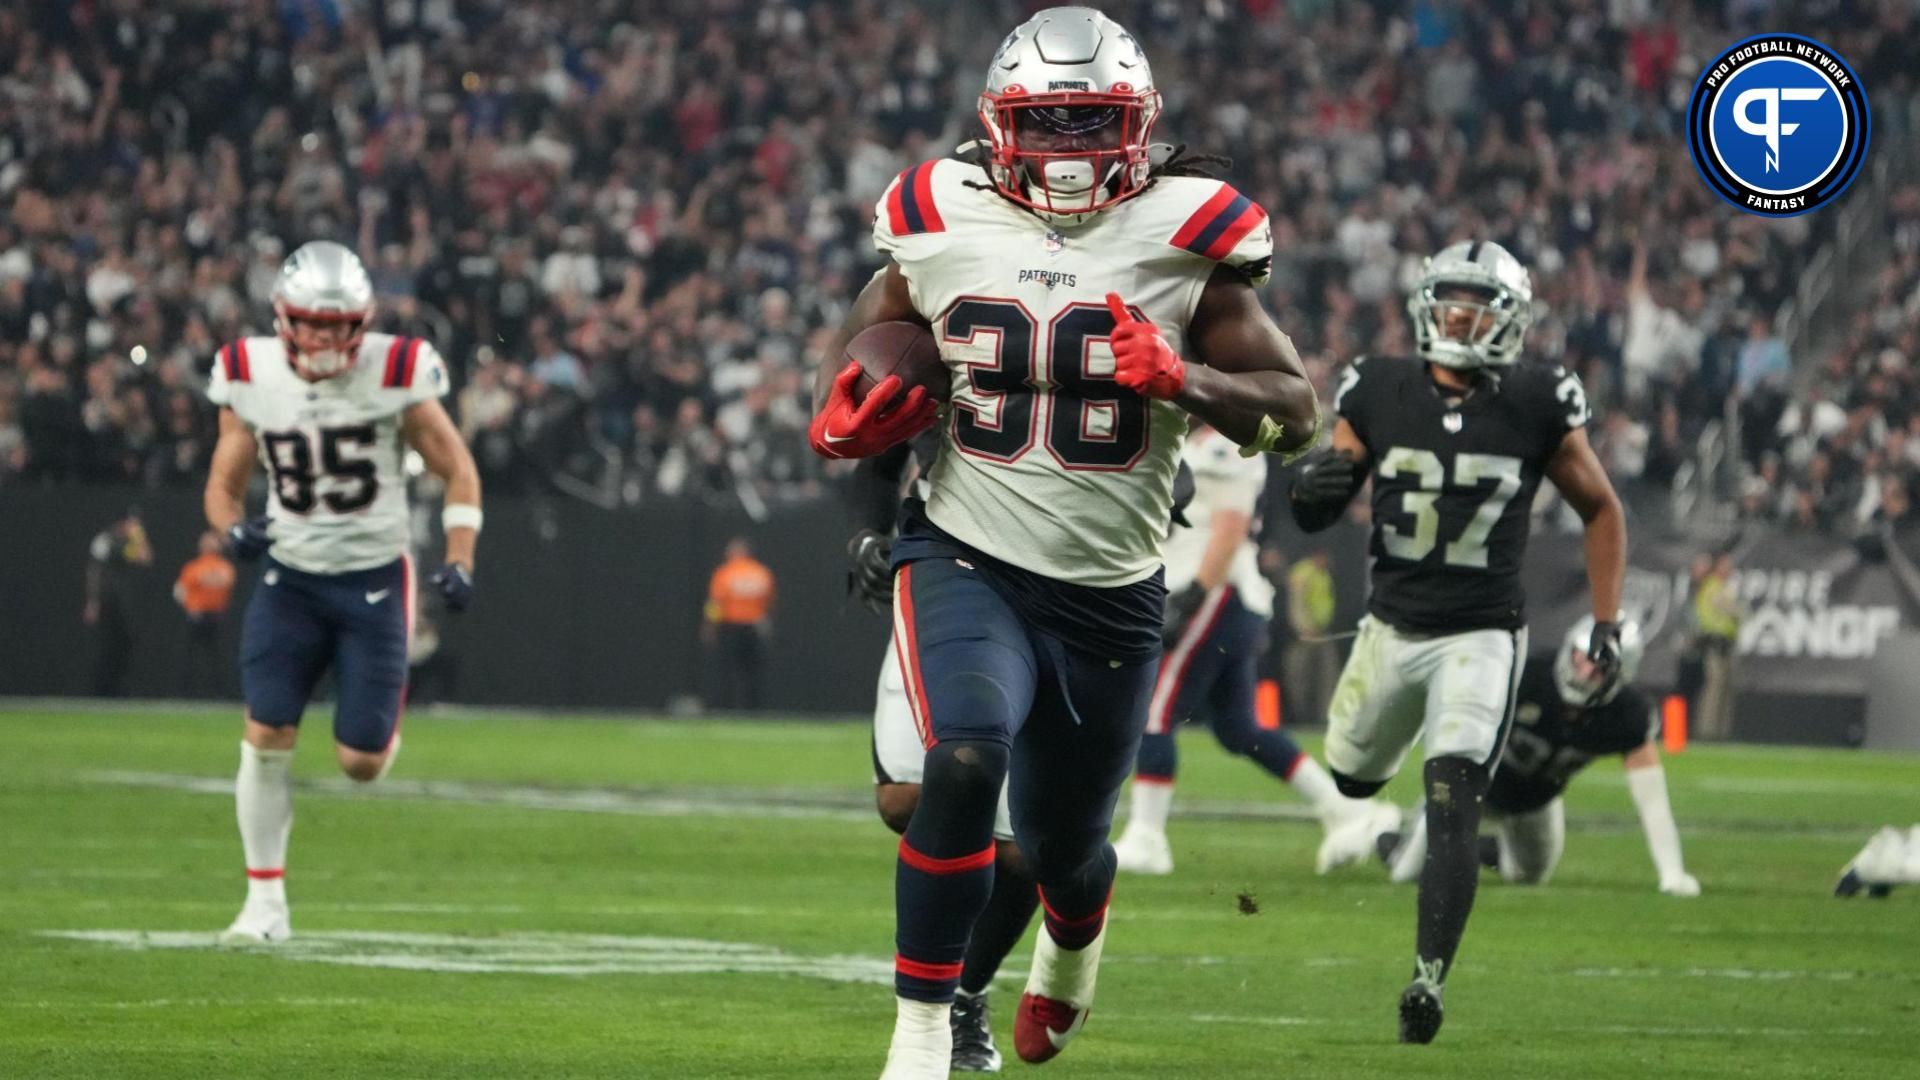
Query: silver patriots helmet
x,y
1068,108
1572,673
322,282
1485,281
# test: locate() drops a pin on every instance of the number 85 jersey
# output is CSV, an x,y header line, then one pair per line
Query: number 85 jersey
x,y
333,449
1453,486
1045,462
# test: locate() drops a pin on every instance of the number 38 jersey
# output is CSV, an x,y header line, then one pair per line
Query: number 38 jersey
x,y
1453,486
1047,463
333,449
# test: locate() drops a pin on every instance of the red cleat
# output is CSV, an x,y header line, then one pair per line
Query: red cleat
x,y
1042,1027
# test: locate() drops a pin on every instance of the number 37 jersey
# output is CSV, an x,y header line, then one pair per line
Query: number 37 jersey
x,y
1045,462
333,449
1453,486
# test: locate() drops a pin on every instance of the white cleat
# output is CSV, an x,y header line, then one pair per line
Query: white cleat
x,y
1352,838
922,1046
1142,851
261,922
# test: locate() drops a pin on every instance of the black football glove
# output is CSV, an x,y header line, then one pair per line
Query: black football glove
x,y
870,570
455,583
1181,608
1604,652
1331,477
247,540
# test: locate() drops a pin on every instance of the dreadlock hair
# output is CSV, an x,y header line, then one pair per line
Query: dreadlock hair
x,y
1181,163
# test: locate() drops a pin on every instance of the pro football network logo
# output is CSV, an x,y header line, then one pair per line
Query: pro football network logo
x,y
1778,125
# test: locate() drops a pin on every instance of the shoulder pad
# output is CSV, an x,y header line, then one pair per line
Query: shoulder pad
x,y
911,206
403,356
1227,227
233,361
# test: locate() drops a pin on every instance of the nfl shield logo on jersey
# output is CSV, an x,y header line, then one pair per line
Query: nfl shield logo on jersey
x,y
1453,422
1054,242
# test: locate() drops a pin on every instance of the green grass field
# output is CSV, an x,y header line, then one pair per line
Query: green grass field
x,y
600,897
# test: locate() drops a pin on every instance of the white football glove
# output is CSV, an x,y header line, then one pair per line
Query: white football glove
x,y
1682,884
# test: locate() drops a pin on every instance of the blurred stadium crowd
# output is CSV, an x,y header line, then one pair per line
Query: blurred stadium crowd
x,y
629,238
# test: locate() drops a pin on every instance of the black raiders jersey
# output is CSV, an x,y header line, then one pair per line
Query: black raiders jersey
x,y
1551,740
1453,485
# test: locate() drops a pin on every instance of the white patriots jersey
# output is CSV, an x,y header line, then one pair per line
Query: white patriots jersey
x,y
1222,480
333,450
1046,463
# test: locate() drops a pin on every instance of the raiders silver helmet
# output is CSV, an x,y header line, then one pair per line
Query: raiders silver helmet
x,y
322,282
1572,674
1068,107
1480,280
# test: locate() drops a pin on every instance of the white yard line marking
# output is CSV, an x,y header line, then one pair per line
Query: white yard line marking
x,y
516,953
1269,1021
1713,1032
1741,974
724,802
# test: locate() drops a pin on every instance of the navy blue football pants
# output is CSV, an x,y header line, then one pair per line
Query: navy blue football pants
x,y
1212,671
981,682
299,624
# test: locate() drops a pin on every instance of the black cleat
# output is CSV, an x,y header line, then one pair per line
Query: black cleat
x,y
973,1049
1385,845
1420,1012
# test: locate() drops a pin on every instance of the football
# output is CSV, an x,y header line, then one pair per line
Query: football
x,y
899,348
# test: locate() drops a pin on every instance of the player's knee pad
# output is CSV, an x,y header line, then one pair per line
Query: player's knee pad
x,y
973,768
959,789
1355,788
895,803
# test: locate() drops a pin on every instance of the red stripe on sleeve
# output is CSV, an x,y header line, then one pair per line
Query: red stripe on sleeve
x,y
406,365
226,361
979,860
265,875
243,371
392,378
923,192
1204,216
897,207
1249,219
915,969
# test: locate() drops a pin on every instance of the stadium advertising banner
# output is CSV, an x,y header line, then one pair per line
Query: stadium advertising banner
x,y
1816,608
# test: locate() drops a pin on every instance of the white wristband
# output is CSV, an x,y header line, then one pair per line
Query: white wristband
x,y
460,516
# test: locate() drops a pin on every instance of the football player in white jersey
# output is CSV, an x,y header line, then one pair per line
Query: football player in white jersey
x,y
330,410
1064,275
1456,441
1216,633
899,752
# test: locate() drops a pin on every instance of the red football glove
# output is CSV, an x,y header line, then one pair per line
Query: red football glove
x,y
1143,361
845,430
